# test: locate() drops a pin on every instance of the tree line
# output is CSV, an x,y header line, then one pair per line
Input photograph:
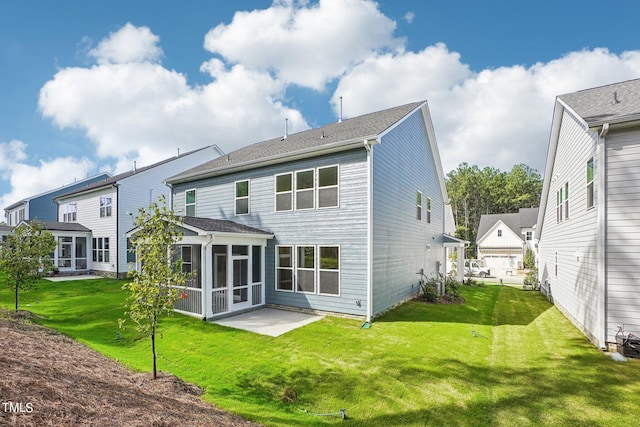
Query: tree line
x,y
474,192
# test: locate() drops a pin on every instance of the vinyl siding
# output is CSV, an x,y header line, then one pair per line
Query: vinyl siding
x,y
88,214
623,229
404,164
345,226
574,289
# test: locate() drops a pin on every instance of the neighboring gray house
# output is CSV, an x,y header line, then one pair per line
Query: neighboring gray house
x,y
4,231
107,209
589,257
344,218
42,207
503,239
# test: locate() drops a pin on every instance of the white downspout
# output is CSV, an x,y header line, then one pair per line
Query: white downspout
x,y
369,149
601,237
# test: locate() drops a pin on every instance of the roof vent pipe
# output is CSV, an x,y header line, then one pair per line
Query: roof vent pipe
x,y
178,152
134,166
340,117
286,128
615,98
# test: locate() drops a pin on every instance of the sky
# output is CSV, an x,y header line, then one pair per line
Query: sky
x,y
87,87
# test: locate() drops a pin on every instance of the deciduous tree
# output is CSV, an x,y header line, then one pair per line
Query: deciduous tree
x,y
159,281
25,256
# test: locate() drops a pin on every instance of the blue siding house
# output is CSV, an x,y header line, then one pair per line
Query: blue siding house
x,y
346,218
42,207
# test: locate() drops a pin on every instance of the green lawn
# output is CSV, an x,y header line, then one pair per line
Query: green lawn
x,y
505,357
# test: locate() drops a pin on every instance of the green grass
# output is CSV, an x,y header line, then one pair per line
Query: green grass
x,y
504,358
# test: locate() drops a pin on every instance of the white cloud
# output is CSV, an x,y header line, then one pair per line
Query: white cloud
x,y
28,180
128,44
498,117
143,111
302,44
409,17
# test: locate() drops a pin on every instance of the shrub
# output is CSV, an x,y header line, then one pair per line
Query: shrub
x,y
429,290
451,287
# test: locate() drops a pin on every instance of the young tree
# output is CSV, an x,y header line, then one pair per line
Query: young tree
x,y
25,256
159,282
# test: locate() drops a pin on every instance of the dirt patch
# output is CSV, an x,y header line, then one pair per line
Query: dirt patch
x,y
47,379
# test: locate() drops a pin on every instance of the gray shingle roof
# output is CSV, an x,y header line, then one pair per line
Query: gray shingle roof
x,y
367,126
613,103
116,178
62,226
524,218
221,225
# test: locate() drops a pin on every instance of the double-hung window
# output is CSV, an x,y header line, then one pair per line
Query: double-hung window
x,y
284,268
590,191
419,206
100,249
305,189
306,269
105,206
428,210
566,200
329,270
559,202
242,197
284,192
190,202
69,212
328,187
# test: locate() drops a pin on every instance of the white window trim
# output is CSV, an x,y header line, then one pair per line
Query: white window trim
x,y
339,270
292,268
337,186
314,269
236,198
296,191
428,209
592,184
420,207
195,203
106,206
275,193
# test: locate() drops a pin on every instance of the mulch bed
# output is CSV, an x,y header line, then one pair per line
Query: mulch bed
x,y
47,379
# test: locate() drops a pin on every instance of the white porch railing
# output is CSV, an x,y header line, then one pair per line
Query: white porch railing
x,y
190,302
256,294
219,301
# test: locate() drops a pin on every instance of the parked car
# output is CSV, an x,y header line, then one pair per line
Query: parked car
x,y
473,267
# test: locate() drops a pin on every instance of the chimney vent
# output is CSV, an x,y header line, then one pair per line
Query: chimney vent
x,y
286,128
340,117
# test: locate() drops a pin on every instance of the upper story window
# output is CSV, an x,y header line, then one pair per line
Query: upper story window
x,y
529,235
242,197
190,202
428,210
566,200
419,206
105,206
590,191
499,233
284,193
328,187
305,189
69,212
559,200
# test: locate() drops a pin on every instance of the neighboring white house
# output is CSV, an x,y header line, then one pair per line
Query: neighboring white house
x,y
346,218
42,206
107,209
589,219
504,238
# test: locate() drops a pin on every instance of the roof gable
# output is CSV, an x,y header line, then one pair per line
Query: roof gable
x,y
613,103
